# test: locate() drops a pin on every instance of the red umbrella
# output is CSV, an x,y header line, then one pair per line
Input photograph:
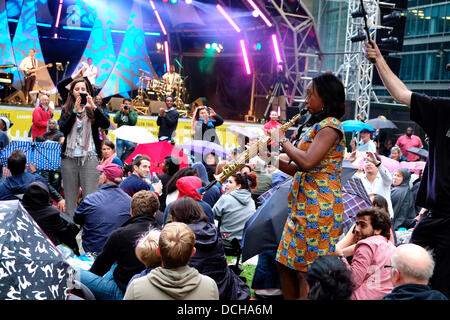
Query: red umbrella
x,y
157,151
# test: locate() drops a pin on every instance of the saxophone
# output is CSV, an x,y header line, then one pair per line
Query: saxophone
x,y
259,146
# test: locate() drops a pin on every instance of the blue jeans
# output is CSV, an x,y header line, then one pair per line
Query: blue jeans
x,y
103,288
121,146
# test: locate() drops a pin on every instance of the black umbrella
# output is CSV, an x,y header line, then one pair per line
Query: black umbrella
x,y
380,123
419,151
263,230
31,267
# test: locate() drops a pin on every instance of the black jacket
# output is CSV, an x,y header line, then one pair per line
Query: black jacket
x,y
66,123
210,260
120,248
36,201
201,129
412,291
168,124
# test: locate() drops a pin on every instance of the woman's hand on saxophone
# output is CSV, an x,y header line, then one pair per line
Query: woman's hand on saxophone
x,y
276,134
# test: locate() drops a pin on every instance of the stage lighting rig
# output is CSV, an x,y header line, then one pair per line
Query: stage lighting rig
x,y
392,26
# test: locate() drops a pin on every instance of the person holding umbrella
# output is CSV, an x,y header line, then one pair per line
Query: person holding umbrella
x,y
366,143
432,114
315,207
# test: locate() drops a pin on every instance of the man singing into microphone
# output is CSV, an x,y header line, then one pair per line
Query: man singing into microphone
x,y
432,114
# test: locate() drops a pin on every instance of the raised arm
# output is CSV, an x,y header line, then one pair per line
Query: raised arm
x,y
393,84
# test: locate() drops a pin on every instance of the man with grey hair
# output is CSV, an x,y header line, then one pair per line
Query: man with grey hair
x,y
412,267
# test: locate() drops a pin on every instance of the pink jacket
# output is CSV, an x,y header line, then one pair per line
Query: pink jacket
x,y
371,280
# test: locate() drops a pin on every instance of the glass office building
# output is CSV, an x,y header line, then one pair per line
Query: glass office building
x,y
426,46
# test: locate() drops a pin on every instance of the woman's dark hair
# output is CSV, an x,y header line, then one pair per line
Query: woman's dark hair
x,y
184,172
331,90
197,112
187,210
173,165
380,202
247,181
109,143
329,279
379,219
70,101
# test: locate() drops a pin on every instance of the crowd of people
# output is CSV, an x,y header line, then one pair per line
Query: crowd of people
x,y
169,238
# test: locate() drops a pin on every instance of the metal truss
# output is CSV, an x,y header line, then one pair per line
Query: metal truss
x,y
356,69
301,60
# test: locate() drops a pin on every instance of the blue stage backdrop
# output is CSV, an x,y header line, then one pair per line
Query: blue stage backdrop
x,y
133,56
7,52
100,46
25,38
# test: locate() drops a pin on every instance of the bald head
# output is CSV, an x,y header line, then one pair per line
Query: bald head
x,y
412,264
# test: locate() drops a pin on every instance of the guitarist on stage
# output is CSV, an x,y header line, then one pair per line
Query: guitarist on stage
x,y
28,67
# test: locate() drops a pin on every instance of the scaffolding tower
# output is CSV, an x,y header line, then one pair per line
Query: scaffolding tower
x,y
356,70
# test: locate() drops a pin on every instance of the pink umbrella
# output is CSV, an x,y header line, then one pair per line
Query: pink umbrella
x,y
416,165
388,163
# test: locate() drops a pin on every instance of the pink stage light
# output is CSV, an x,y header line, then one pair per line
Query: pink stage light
x,y
228,18
160,23
254,6
244,54
58,17
166,49
276,48
152,4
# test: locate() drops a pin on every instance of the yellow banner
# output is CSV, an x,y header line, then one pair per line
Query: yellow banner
x,y
22,120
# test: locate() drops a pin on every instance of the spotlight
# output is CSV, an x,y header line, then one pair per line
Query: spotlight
x,y
394,15
357,13
214,46
188,1
359,37
389,40
255,13
207,46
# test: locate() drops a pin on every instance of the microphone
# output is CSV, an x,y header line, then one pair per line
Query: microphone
x,y
447,67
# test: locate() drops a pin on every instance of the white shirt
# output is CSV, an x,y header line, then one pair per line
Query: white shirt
x,y
89,71
172,78
381,185
27,63
369,146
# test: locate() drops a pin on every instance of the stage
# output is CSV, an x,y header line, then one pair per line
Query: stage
x,y
21,116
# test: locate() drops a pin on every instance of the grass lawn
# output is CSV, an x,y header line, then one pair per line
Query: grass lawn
x,y
248,271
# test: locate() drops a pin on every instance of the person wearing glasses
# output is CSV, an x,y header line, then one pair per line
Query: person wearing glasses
x,y
411,269
372,252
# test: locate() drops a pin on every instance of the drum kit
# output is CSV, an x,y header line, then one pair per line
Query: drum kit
x,y
157,89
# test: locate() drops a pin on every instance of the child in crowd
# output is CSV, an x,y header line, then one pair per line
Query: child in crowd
x,y
174,280
146,252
